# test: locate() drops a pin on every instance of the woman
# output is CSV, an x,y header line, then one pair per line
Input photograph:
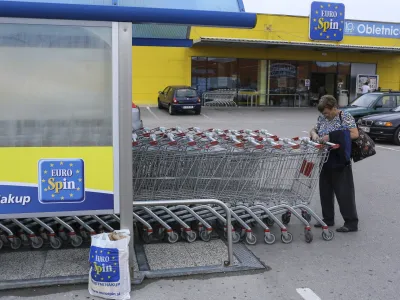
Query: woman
x,y
336,180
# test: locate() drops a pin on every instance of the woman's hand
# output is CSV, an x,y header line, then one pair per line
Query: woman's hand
x,y
324,139
314,136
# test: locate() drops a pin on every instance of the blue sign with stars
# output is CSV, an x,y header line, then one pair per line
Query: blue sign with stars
x,y
61,180
104,264
327,21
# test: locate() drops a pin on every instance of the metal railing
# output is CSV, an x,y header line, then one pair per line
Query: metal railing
x,y
233,98
198,202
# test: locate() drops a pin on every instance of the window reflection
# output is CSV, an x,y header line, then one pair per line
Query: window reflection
x,y
273,82
55,85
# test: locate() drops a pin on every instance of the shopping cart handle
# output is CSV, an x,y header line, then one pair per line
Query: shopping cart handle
x,y
170,136
332,145
319,145
235,140
211,139
254,143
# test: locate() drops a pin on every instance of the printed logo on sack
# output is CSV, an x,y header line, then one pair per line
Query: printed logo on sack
x,y
104,264
327,21
61,180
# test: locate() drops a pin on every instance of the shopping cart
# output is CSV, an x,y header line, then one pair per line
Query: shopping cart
x,y
250,170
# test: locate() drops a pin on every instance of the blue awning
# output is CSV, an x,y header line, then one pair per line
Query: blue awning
x,y
83,12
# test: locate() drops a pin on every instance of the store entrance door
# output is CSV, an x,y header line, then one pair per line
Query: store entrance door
x,y
327,80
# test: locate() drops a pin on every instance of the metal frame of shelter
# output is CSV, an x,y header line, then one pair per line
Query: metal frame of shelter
x,y
121,19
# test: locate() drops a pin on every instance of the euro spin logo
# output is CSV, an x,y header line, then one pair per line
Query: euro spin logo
x,y
327,21
104,264
61,180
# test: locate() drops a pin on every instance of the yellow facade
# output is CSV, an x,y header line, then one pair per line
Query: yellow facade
x,y
156,67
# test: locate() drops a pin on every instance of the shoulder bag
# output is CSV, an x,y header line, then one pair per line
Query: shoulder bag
x,y
363,147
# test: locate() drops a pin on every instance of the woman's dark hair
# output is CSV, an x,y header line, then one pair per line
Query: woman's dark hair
x,y
328,102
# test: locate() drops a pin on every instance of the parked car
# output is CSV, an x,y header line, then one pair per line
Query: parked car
x,y
373,103
136,120
384,126
179,99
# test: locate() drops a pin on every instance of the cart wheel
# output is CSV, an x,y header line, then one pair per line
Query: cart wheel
x,y
55,243
286,218
306,216
235,237
76,241
288,239
161,235
183,235
63,235
251,239
308,235
269,222
16,243
328,236
38,244
146,237
191,236
205,236
173,237
269,239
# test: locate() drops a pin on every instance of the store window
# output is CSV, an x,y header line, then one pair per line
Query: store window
x,y
324,67
229,76
343,83
271,83
222,73
199,74
282,83
248,81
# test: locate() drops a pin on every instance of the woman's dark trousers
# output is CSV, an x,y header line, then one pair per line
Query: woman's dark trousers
x,y
338,182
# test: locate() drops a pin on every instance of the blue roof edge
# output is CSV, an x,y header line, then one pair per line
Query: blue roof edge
x,y
117,13
159,42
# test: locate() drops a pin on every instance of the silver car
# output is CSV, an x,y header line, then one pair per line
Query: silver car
x,y
136,120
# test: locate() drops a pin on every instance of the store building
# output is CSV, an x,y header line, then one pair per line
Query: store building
x,y
283,61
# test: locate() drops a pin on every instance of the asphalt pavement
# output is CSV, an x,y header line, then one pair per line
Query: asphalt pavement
x,y
362,265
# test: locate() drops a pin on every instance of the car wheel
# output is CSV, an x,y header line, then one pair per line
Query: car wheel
x,y
171,110
197,112
396,137
159,104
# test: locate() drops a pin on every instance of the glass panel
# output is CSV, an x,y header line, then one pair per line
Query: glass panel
x,y
222,73
248,82
324,67
389,101
94,2
158,31
283,83
199,74
220,5
55,85
343,83
303,75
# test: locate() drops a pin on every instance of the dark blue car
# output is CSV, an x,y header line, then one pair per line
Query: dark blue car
x,y
179,99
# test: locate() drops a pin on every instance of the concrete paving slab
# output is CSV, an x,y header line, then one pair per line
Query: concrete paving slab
x,y
212,253
21,265
168,256
66,262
